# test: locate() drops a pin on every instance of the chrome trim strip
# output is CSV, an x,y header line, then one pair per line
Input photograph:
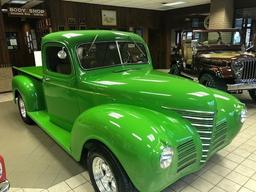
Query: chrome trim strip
x,y
208,132
201,125
241,86
188,110
198,118
205,138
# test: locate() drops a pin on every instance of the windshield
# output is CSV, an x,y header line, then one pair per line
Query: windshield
x,y
104,54
217,38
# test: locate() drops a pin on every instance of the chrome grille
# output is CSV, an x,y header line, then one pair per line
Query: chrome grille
x,y
249,70
219,135
203,121
186,155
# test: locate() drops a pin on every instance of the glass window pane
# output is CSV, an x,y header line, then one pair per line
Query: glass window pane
x,y
54,63
238,23
103,54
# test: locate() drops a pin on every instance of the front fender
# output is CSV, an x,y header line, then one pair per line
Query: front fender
x,y
136,137
30,90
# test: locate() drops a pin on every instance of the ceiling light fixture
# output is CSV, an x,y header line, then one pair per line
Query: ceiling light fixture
x,y
173,4
18,1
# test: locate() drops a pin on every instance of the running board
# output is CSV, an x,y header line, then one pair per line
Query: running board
x,y
61,136
189,76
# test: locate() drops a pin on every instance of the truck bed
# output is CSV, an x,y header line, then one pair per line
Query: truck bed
x,y
36,72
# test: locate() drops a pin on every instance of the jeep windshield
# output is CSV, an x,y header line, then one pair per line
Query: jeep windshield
x,y
217,38
106,54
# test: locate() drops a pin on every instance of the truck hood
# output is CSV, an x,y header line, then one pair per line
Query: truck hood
x,y
226,55
151,89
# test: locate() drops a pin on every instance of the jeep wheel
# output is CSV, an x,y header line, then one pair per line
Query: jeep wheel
x,y
23,111
208,80
252,93
105,172
175,69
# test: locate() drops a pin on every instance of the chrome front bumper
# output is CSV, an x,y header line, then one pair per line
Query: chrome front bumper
x,y
241,86
4,186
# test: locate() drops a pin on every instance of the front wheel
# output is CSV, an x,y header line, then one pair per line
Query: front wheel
x,y
23,111
106,173
252,93
208,80
212,81
175,69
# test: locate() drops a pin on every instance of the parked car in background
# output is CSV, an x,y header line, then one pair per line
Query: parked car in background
x,y
4,184
218,59
137,129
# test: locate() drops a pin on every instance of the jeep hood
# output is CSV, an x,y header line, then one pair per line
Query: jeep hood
x,y
225,55
153,90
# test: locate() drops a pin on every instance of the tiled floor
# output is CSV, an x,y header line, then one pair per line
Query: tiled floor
x,y
233,169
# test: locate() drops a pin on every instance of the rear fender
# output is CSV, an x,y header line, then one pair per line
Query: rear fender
x,y
30,90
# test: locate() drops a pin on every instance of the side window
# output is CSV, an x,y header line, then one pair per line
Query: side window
x,y
54,63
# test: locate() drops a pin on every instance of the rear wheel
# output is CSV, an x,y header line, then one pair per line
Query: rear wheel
x,y
23,111
105,172
252,93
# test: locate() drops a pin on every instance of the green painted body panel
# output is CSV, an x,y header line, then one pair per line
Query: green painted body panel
x,y
36,72
132,109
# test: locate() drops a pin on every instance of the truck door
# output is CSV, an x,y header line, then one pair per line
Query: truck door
x,y
59,83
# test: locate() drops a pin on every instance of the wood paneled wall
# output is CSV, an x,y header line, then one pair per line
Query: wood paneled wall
x,y
176,18
126,17
244,4
4,55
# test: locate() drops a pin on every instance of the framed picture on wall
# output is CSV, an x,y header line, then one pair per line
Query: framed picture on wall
x,y
108,17
12,40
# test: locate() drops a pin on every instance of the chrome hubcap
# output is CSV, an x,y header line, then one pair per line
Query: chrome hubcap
x,y
103,175
22,108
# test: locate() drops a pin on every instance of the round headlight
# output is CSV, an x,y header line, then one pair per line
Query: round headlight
x,y
237,67
166,157
243,115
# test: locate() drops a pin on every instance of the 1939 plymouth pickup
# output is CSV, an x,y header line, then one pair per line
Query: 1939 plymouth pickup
x,y
137,129
218,59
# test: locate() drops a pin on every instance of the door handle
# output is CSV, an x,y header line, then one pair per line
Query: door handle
x,y
47,79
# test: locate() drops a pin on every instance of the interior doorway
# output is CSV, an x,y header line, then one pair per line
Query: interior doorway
x,y
21,40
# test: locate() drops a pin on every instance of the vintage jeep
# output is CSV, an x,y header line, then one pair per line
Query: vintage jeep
x,y
137,129
216,58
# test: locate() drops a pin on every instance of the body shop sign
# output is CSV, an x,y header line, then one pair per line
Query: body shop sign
x,y
13,11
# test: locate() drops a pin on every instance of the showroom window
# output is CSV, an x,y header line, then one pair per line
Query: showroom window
x,y
54,63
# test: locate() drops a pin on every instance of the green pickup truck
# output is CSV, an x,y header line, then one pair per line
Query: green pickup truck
x,y
136,129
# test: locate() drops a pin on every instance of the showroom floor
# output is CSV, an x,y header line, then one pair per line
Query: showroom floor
x,y
36,163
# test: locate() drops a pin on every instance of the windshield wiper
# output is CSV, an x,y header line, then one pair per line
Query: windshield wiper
x,y
138,47
93,42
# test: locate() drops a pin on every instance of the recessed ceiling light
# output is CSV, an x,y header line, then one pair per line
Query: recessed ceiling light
x,y
18,1
172,4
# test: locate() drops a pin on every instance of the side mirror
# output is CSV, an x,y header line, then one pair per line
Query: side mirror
x,y
62,54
